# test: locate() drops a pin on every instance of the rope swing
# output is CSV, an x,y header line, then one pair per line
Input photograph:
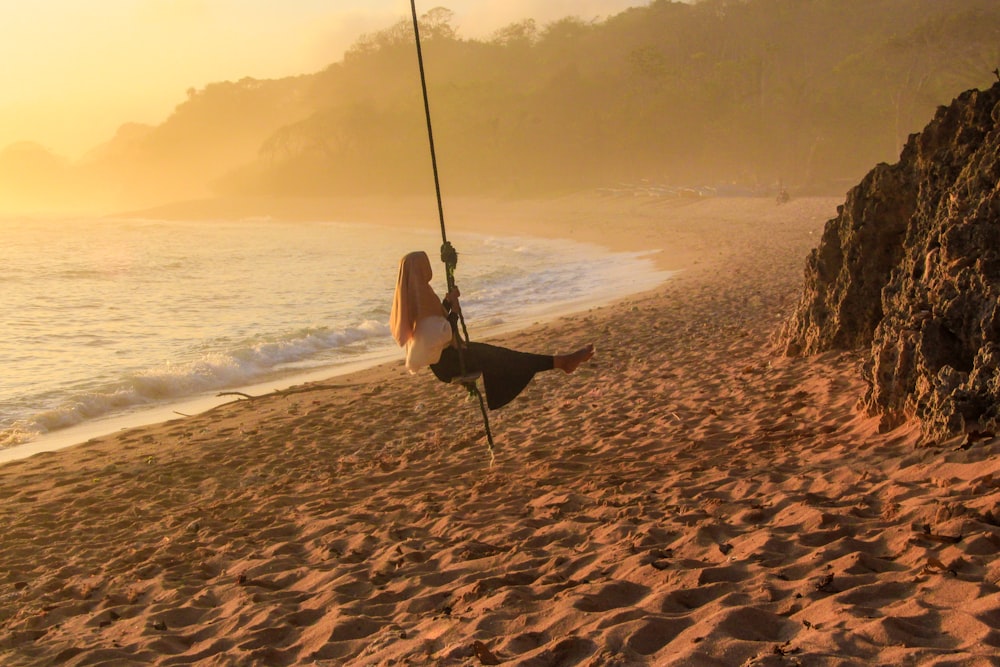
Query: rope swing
x,y
448,253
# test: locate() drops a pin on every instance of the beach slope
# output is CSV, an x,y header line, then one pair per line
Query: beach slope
x,y
688,497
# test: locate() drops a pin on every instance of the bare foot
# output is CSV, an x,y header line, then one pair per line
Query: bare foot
x,y
569,362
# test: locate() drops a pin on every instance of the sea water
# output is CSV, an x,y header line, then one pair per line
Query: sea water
x,y
102,317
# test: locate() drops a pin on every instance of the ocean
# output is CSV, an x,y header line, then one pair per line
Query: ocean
x,y
108,317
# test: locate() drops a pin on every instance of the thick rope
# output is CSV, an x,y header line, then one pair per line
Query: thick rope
x,y
448,253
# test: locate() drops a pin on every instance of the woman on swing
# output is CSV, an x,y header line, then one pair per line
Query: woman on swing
x,y
425,326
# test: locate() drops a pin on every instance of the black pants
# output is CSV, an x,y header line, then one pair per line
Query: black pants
x,y
505,372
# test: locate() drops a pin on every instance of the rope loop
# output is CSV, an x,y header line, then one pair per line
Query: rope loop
x,y
449,255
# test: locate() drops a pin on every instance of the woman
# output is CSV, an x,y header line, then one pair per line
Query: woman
x,y
425,326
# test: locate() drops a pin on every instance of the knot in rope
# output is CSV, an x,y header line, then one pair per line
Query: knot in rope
x,y
449,255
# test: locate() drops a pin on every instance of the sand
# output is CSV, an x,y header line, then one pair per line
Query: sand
x,y
688,497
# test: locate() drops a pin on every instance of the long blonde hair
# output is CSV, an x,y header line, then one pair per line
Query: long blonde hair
x,y
415,298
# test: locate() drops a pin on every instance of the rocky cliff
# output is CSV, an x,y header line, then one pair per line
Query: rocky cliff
x,y
910,268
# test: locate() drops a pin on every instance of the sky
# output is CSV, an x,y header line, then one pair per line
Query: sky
x,y
73,71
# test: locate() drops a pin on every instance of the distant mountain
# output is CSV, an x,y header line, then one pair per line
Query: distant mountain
x,y
750,92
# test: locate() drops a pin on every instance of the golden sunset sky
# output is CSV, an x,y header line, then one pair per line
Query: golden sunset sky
x,y
72,71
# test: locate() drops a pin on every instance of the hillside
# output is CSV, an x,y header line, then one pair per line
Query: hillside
x,y
737,94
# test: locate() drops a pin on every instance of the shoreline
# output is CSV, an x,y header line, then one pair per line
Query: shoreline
x,y
686,497
191,406
186,407
617,223
364,211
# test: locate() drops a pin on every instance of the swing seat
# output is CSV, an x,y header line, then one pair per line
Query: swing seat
x,y
468,378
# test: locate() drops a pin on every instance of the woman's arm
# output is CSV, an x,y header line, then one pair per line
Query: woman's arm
x,y
452,309
451,303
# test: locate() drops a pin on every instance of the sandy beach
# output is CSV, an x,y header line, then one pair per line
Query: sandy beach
x,y
688,497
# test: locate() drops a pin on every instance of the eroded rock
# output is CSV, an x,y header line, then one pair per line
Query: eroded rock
x,y
910,268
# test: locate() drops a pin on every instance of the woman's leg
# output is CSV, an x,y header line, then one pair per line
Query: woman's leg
x,y
569,362
505,372
449,365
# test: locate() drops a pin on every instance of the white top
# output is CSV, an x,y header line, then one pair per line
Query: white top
x,y
431,335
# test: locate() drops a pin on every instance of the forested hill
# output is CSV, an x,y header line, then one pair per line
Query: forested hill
x,y
811,93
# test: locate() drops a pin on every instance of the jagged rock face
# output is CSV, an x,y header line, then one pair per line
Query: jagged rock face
x,y
911,268
841,304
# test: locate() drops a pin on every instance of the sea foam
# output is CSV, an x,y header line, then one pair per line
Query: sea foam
x,y
115,316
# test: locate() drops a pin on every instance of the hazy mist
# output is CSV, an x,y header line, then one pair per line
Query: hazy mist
x,y
733,94
73,71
